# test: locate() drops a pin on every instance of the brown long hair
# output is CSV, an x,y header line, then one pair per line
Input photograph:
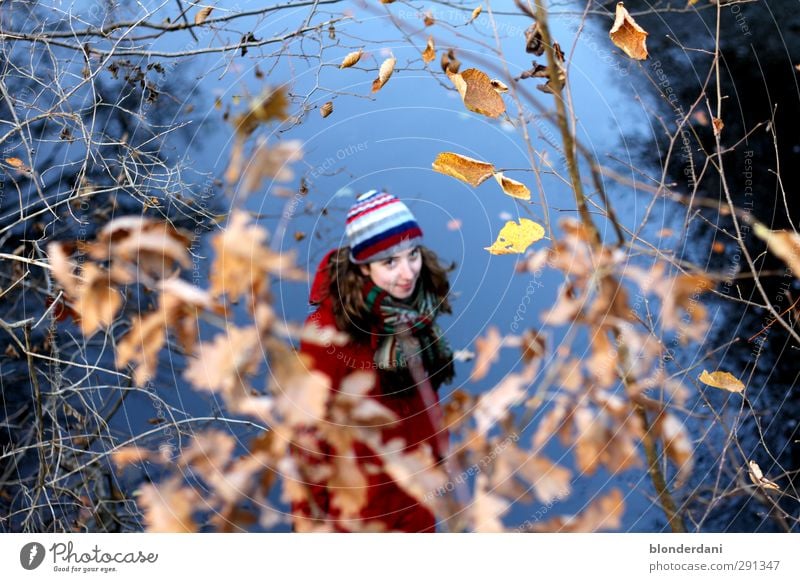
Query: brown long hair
x,y
347,281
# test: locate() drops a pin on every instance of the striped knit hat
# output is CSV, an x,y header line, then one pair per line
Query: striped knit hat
x,y
379,226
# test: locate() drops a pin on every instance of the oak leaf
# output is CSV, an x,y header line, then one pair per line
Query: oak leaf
x,y
628,35
723,380
516,237
512,187
477,92
473,172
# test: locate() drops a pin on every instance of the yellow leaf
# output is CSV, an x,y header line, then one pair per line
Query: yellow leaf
x,y
512,187
386,70
628,35
202,15
473,172
326,109
351,59
266,107
14,162
430,51
783,243
477,92
516,238
724,380
475,13
757,477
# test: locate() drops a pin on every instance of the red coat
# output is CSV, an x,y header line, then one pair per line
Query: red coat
x,y
386,502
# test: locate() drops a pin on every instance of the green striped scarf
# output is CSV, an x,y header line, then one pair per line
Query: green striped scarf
x,y
418,314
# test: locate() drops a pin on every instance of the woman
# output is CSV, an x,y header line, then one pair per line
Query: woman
x,y
383,281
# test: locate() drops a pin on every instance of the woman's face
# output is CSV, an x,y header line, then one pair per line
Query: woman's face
x,y
398,274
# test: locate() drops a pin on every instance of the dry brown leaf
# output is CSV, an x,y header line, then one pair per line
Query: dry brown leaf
x,y
97,302
603,514
449,62
718,125
628,35
168,507
142,344
723,380
757,477
783,243
475,13
154,247
430,51
202,15
677,444
473,172
487,508
326,109
428,19
272,162
499,86
415,472
512,187
477,92
515,238
223,364
351,59
549,481
243,261
496,403
270,105
487,352
15,163
347,486
302,397
385,72
63,268
129,455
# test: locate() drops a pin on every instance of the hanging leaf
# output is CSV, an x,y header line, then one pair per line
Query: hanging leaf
x,y
783,243
512,187
475,13
487,352
202,15
478,93
14,162
449,62
351,59
718,125
429,20
473,172
628,35
757,477
516,238
386,70
430,51
326,109
499,86
723,380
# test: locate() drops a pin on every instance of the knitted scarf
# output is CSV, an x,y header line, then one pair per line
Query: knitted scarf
x,y
419,314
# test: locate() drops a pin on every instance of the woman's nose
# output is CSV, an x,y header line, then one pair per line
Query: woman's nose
x,y
406,272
